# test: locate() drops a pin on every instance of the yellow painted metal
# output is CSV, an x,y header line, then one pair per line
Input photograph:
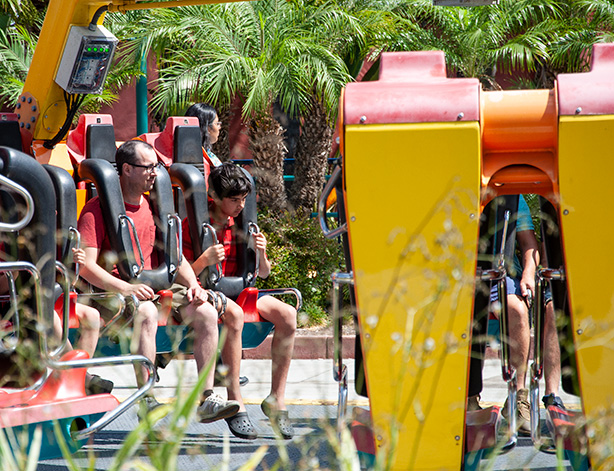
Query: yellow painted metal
x,y
586,166
412,194
49,98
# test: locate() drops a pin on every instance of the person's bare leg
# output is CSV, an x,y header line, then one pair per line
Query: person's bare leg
x,y
552,353
203,319
283,317
89,322
520,336
231,351
144,337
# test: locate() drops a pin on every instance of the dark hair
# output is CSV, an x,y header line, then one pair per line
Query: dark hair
x,y
206,116
228,180
126,153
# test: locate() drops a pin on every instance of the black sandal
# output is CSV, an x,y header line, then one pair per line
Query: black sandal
x,y
280,421
240,426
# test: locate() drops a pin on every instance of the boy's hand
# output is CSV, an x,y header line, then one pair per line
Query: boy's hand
x,y
260,241
214,254
78,256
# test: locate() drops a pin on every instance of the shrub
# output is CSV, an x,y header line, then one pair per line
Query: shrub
x,y
301,257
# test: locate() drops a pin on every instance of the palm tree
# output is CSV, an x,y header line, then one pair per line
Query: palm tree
x,y
259,51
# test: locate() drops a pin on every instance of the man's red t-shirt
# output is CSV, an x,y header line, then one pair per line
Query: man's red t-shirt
x,y
93,231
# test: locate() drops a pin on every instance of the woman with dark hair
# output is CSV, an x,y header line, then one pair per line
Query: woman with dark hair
x,y
210,126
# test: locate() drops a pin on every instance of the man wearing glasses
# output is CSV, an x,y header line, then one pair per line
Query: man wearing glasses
x,y
137,166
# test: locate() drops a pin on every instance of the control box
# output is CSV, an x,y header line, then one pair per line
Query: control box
x,y
86,60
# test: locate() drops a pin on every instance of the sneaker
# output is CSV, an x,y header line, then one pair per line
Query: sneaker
x,y
473,403
553,400
94,384
214,407
523,412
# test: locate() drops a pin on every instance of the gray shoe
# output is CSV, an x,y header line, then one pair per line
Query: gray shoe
x,y
214,407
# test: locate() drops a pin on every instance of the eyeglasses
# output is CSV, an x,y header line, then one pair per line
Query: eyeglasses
x,y
148,168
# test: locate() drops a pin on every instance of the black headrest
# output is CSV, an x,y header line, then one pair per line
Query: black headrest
x,y
10,135
100,142
187,147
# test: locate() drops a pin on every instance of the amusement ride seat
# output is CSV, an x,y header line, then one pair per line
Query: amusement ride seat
x,y
59,393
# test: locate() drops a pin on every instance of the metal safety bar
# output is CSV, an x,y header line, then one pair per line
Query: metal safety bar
x,y
543,276
214,240
508,372
136,269
27,217
252,228
175,219
65,285
54,364
73,233
280,291
339,369
330,185
12,312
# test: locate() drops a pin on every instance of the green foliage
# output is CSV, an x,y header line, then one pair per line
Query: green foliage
x,y
301,257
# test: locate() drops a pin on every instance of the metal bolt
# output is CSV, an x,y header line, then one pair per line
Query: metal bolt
x,y
34,108
27,125
48,128
379,438
172,267
21,124
578,110
18,105
457,438
460,116
18,115
472,216
463,336
337,140
32,119
353,219
363,119
566,212
29,99
579,331
367,336
23,98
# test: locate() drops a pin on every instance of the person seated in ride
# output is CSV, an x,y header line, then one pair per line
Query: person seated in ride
x,y
519,282
210,126
228,189
89,328
137,166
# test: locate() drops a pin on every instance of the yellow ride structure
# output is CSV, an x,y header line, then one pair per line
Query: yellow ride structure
x,y
423,155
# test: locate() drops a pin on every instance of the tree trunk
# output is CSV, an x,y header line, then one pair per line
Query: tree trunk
x,y
312,153
266,143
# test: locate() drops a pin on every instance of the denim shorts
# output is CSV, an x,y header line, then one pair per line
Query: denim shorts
x,y
513,287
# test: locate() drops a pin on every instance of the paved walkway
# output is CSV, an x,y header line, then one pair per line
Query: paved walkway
x,y
311,397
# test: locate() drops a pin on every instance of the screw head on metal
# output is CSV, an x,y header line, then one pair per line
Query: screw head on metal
x,y
578,110
460,116
363,119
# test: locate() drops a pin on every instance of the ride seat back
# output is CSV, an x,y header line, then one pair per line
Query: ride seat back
x,y
93,138
10,135
107,184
